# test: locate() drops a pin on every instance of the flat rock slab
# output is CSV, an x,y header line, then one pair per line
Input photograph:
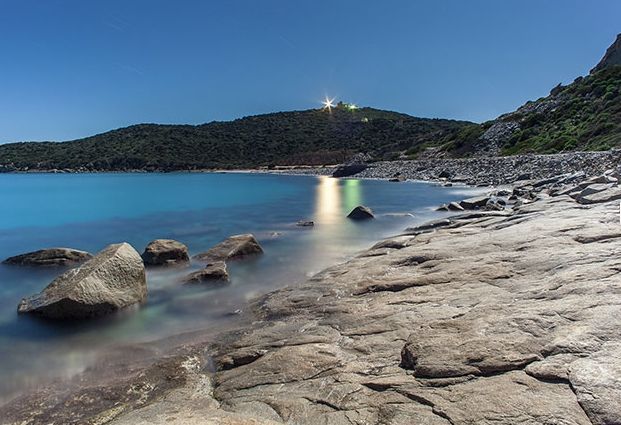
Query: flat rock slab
x,y
235,247
165,252
113,279
50,257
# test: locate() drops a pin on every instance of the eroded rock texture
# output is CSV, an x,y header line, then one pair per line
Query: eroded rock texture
x,y
508,317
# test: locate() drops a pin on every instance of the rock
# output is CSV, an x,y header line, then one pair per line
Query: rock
x,y
304,223
397,179
113,279
50,257
445,174
495,204
214,272
165,252
431,225
349,170
235,247
454,206
612,194
361,213
476,202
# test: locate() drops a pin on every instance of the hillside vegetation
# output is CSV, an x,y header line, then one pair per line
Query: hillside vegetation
x,y
285,138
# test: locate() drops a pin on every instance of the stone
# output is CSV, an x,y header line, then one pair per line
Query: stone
x,y
349,170
165,252
232,248
361,213
214,272
113,279
397,179
305,223
50,257
612,194
445,174
476,202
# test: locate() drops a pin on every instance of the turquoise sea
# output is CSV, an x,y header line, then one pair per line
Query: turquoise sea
x,y
90,211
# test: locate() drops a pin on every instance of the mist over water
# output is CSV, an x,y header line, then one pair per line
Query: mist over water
x,y
90,211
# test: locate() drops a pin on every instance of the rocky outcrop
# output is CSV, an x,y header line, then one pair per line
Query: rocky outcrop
x,y
488,317
113,279
348,170
50,257
235,247
361,213
165,252
611,57
212,273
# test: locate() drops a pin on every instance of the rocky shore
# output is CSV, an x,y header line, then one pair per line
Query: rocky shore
x,y
499,170
500,317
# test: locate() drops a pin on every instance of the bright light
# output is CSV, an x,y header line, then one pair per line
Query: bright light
x,y
328,104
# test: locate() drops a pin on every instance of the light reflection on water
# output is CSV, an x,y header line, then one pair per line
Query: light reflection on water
x,y
32,351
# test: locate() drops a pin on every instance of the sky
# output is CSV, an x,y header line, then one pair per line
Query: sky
x,y
73,68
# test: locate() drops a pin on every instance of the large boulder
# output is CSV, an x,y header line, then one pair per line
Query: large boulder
x,y
50,257
361,213
165,252
348,170
113,279
213,273
473,203
234,247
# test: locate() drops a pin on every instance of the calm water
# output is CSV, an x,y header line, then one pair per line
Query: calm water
x,y
93,210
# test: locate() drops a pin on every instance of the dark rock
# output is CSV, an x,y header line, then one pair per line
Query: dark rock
x,y
361,213
234,247
50,257
611,57
349,170
113,279
444,174
472,203
165,252
304,223
397,179
214,272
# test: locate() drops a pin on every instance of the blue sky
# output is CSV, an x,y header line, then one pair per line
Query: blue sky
x,y
72,68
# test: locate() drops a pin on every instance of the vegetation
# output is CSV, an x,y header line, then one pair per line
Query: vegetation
x,y
285,138
585,115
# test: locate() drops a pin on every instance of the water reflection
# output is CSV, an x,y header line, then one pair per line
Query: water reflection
x,y
335,197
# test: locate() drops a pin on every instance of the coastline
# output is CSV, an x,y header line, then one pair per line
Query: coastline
x,y
473,171
530,292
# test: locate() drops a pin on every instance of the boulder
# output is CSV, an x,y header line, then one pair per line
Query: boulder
x,y
444,174
212,273
113,279
305,223
50,257
361,213
495,204
476,202
349,170
235,247
165,252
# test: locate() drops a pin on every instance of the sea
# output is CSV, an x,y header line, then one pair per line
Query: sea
x,y
90,211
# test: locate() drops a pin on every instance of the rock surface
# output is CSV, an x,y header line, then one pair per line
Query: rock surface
x,y
482,318
212,273
50,257
165,252
113,279
234,247
361,213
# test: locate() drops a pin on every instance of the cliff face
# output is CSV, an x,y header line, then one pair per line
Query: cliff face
x,y
611,57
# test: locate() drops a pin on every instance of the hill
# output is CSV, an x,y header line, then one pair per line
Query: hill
x,y
584,115
313,136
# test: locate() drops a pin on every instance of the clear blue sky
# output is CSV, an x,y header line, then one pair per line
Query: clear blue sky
x,y
71,68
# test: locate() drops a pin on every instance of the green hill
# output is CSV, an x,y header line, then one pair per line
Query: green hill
x,y
284,138
584,115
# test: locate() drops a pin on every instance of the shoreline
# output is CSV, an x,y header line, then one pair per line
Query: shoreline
x,y
354,343
473,171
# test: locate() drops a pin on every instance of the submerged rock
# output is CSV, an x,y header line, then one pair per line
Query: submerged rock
x,y
113,279
234,247
165,252
50,257
361,213
214,272
305,223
